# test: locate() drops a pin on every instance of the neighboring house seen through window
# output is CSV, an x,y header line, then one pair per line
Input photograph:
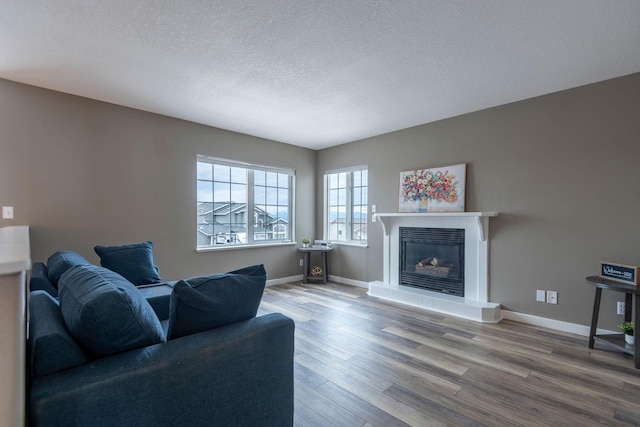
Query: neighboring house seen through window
x,y
346,214
240,204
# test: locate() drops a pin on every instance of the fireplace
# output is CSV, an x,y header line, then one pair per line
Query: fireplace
x,y
470,252
432,259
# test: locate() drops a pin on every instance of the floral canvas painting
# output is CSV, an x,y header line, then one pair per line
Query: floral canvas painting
x,y
433,190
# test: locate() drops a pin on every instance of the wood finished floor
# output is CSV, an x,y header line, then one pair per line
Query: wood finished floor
x,y
362,361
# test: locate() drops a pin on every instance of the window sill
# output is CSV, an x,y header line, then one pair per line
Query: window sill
x,y
351,244
235,247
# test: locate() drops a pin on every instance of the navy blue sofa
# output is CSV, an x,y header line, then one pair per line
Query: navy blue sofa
x,y
239,374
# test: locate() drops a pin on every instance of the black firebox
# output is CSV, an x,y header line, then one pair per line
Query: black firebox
x,y
432,259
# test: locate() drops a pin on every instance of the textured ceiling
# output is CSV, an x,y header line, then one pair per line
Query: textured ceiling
x,y
316,73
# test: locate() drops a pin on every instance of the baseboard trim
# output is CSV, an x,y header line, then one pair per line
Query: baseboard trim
x,y
558,325
350,282
300,277
283,280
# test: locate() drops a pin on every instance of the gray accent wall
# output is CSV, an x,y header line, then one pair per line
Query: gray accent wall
x,y
82,173
563,171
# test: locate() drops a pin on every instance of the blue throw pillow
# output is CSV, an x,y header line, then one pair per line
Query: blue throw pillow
x,y
105,313
133,261
61,261
208,302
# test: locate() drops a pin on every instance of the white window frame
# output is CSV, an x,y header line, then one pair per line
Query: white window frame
x,y
349,206
251,221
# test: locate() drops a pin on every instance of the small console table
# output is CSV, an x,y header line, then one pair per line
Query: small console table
x,y
308,274
631,300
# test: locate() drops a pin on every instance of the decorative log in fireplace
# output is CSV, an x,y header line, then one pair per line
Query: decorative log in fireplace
x,y
432,259
433,265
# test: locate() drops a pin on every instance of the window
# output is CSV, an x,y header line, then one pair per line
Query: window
x,y
240,204
346,205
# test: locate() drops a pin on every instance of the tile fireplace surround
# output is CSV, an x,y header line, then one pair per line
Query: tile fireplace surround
x,y
475,304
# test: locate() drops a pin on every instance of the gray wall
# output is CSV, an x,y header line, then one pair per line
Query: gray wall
x,y
562,171
82,173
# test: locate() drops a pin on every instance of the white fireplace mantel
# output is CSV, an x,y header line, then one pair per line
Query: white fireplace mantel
x,y
387,219
475,303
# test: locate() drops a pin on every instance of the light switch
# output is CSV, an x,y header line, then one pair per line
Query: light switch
x,y
7,212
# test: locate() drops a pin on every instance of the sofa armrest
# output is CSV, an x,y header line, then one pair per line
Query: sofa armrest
x,y
240,374
40,280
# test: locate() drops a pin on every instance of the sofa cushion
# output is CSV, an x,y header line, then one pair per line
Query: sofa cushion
x,y
105,313
51,348
40,281
208,302
61,261
133,261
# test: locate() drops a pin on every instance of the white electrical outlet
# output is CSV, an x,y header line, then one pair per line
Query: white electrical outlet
x,y
541,295
301,262
552,297
620,309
